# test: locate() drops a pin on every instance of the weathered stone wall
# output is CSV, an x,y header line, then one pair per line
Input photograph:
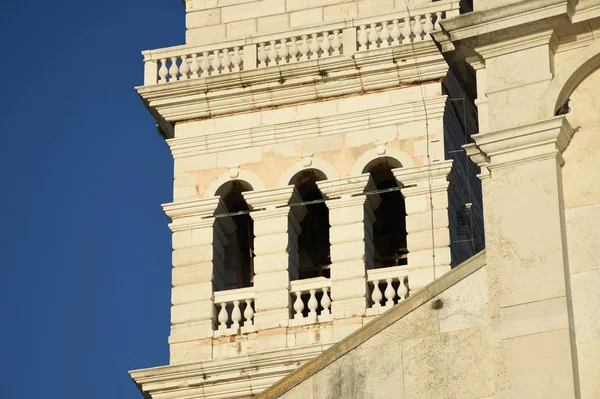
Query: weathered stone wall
x,y
581,185
209,21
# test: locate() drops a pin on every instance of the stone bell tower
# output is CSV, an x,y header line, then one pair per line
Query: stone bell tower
x,y
319,180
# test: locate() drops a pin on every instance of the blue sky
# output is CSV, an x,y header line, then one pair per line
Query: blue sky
x,y
85,248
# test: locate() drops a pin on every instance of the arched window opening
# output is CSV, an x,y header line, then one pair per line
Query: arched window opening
x,y
239,251
389,229
313,241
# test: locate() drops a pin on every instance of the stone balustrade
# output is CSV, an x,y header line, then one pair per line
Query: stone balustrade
x,y
387,287
343,38
234,311
311,300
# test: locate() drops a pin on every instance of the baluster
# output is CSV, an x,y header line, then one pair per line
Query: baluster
x,y
325,44
173,70
283,52
376,296
402,289
428,26
389,293
395,32
438,19
336,44
373,36
205,64
294,50
184,69
248,313
226,61
313,304
418,29
325,302
216,63
272,54
406,31
384,35
194,67
262,56
223,316
314,47
362,38
304,49
236,60
236,315
163,71
298,305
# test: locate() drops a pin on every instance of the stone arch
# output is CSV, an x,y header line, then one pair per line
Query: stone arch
x,y
566,80
403,158
245,175
319,164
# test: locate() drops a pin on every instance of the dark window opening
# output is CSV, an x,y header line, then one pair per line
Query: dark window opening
x,y
239,251
313,241
389,229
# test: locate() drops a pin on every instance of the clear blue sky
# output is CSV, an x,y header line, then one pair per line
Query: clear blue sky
x,y
85,248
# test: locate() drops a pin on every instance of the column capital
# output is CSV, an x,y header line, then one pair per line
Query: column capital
x,y
193,214
528,143
420,179
346,186
273,202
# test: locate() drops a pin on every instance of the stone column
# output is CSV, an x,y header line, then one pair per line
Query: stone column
x,y
276,230
351,237
425,191
527,259
198,247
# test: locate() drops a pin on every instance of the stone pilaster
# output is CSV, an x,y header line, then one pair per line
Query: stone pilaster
x,y
276,230
351,237
425,191
527,259
198,248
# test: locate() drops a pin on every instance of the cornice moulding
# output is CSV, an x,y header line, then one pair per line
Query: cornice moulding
x,y
199,207
272,198
424,173
346,186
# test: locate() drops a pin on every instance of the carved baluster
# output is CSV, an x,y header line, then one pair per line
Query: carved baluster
x,y
223,316
373,36
428,26
402,289
438,19
226,61
236,59
376,296
384,35
173,70
236,315
205,64
248,313
194,67
163,72
184,69
283,52
406,31
272,53
216,63
298,305
389,293
304,49
262,56
293,50
336,44
362,38
325,302
325,44
395,32
418,29
313,304
314,47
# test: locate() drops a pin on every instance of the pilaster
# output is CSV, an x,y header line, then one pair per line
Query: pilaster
x,y
425,191
527,259
276,230
351,236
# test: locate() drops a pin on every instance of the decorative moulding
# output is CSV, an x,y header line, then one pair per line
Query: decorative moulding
x,y
346,186
434,174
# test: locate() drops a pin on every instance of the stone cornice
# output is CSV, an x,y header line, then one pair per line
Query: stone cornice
x,y
528,143
346,186
272,198
423,178
198,214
